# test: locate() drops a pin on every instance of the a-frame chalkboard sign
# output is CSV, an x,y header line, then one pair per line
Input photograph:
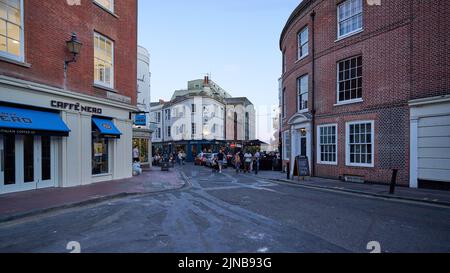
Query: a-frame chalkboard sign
x,y
301,167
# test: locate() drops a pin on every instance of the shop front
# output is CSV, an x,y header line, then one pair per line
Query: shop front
x,y
55,138
28,155
141,141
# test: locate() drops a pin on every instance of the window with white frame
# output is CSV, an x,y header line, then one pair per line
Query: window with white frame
x,y
302,92
360,144
169,131
350,79
303,43
158,133
194,108
158,117
327,139
107,4
284,68
286,145
167,114
283,103
103,61
349,17
11,29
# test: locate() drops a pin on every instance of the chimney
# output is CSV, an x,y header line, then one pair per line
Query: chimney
x,y
161,101
206,81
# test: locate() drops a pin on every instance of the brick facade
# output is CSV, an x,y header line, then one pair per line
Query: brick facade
x,y
405,50
49,24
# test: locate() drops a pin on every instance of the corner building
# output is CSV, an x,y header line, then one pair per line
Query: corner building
x,y
366,90
66,124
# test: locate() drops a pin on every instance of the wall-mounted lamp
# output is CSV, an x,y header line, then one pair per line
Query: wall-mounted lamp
x,y
74,47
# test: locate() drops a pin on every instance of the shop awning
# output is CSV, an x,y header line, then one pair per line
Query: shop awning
x,y
106,128
21,121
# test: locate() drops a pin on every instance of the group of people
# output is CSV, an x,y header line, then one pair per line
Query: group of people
x,y
247,162
175,157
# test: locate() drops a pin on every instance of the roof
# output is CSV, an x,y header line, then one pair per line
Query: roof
x,y
238,100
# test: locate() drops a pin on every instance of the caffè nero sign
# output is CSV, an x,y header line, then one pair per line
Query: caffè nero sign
x,y
76,107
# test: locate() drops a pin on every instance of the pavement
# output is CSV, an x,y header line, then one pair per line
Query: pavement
x,y
235,213
439,197
24,204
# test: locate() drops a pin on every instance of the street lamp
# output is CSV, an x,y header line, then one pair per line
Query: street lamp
x,y
74,47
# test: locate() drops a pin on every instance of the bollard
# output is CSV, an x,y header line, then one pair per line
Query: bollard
x,y
288,171
393,181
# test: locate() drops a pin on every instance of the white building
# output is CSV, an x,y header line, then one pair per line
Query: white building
x,y
142,129
202,117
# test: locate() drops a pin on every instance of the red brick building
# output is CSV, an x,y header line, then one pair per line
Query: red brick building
x,y
353,71
92,98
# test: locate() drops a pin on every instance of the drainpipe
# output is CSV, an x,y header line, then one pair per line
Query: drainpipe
x,y
313,107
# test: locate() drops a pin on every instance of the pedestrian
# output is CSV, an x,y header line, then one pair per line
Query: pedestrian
x,y
180,157
183,158
248,162
237,162
136,154
220,158
257,157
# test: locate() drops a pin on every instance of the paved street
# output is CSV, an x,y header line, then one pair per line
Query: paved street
x,y
235,213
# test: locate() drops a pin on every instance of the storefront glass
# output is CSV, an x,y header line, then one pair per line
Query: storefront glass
x,y
10,159
28,156
46,158
142,145
100,155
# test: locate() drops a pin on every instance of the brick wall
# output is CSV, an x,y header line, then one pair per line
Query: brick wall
x,y
49,24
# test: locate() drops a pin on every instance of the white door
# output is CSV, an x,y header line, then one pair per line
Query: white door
x,y
434,149
46,162
27,163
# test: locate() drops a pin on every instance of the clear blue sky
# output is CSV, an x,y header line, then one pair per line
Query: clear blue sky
x,y
234,40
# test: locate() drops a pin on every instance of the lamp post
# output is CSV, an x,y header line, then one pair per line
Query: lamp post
x,y
74,47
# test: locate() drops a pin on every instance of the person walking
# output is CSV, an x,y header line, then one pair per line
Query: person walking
x,y
136,154
180,157
247,161
257,157
221,158
183,158
237,162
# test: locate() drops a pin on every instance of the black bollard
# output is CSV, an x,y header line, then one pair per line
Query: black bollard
x,y
393,181
288,170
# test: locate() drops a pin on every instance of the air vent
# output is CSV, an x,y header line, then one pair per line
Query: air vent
x,y
354,179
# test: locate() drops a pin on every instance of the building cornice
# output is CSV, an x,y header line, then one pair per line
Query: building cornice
x,y
61,92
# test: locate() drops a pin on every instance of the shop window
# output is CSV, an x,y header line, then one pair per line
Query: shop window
x,y
100,154
28,158
10,159
142,145
46,158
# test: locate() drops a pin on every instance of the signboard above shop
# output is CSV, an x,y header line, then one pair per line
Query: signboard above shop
x,y
140,120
